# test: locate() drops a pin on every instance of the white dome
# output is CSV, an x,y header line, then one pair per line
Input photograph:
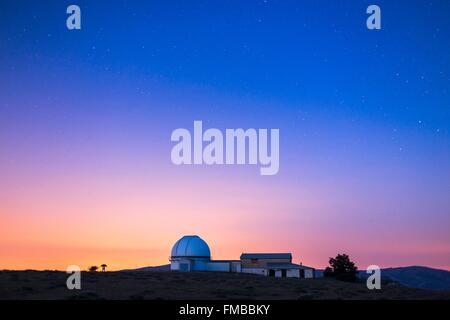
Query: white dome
x,y
191,246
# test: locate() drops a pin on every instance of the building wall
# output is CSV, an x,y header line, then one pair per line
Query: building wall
x,y
174,265
235,266
186,264
259,271
290,273
180,265
261,263
293,273
199,265
218,266
309,273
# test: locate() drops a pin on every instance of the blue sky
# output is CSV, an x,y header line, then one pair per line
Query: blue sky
x,y
364,115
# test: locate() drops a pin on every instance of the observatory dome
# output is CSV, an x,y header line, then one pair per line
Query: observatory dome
x,y
191,246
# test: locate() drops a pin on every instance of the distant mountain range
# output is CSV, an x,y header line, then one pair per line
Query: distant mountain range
x,y
164,267
413,276
418,277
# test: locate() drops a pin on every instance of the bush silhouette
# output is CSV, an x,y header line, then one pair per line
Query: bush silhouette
x,y
341,268
93,268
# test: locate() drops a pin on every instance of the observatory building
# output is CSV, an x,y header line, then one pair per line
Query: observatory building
x,y
192,253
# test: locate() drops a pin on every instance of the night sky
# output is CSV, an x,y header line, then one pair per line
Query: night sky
x,y
86,117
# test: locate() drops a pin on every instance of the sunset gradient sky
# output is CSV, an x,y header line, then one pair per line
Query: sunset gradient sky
x,y
86,118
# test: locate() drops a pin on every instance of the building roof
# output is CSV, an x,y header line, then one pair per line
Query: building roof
x,y
266,256
191,246
287,266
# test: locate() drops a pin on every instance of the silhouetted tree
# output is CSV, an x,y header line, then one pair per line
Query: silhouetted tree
x,y
341,268
103,267
328,272
93,268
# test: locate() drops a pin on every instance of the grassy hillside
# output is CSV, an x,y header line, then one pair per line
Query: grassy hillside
x,y
195,285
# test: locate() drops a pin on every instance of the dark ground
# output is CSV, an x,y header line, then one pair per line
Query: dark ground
x,y
195,285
